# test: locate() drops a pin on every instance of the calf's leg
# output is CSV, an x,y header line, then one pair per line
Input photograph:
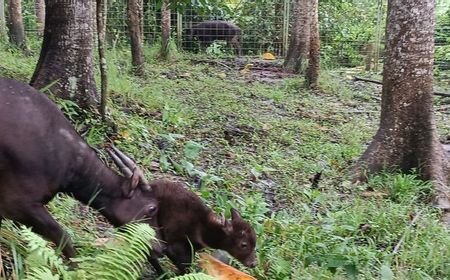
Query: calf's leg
x,y
157,266
181,255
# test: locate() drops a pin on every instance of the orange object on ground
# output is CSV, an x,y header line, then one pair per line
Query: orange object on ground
x,y
268,56
221,271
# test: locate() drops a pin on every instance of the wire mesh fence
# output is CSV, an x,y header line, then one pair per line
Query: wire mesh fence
x,y
352,32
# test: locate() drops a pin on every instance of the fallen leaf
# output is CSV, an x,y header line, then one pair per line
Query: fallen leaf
x,y
374,194
220,270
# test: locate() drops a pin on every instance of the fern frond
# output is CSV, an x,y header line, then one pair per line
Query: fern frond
x,y
125,257
41,273
194,276
41,259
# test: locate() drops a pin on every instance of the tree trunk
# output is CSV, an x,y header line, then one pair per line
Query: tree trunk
x,y
165,29
134,28
298,51
140,4
407,137
101,31
312,74
369,50
16,29
39,8
66,59
3,33
279,8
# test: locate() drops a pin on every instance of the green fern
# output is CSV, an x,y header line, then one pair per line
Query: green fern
x,y
38,273
194,276
41,259
124,258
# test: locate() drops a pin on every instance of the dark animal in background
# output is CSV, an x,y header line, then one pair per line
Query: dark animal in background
x,y
207,32
187,225
41,154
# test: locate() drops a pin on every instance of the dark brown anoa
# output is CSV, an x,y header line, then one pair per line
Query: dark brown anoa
x,y
407,137
184,220
41,154
66,58
207,32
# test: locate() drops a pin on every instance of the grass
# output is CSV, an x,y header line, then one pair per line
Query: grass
x,y
255,146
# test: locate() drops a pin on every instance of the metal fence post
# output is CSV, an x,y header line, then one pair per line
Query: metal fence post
x,y
378,34
286,11
179,31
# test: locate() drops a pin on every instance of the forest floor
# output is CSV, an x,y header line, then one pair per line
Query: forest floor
x,y
253,138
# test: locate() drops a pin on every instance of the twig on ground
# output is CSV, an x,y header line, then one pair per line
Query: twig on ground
x,y
212,62
355,78
402,239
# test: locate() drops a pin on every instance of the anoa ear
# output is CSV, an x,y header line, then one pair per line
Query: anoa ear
x,y
235,215
132,184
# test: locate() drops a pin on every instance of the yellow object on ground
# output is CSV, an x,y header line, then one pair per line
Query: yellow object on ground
x,y
247,69
268,56
221,271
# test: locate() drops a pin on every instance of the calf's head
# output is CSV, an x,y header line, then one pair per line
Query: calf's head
x,y
240,237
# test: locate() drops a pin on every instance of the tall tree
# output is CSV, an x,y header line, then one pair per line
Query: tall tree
x,y
3,33
15,22
101,13
39,9
298,51
312,73
165,29
134,29
407,137
66,58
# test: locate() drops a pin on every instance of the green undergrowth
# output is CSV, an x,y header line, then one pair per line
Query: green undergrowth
x,y
255,146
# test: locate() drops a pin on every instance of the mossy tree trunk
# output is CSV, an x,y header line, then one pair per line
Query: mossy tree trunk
x,y
312,73
3,33
39,9
66,58
101,13
15,22
165,29
134,29
407,137
298,51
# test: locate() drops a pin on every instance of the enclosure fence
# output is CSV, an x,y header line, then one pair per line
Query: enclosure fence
x,y
351,36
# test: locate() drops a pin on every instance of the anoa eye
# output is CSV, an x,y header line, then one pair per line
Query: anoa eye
x,y
244,245
151,210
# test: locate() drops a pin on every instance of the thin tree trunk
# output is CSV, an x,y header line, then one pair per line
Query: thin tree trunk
x,y
369,52
101,31
141,19
312,74
298,52
39,8
3,34
134,30
16,28
66,58
165,29
407,137
279,26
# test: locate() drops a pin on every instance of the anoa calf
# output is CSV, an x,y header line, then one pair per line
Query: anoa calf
x,y
41,155
207,32
187,225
